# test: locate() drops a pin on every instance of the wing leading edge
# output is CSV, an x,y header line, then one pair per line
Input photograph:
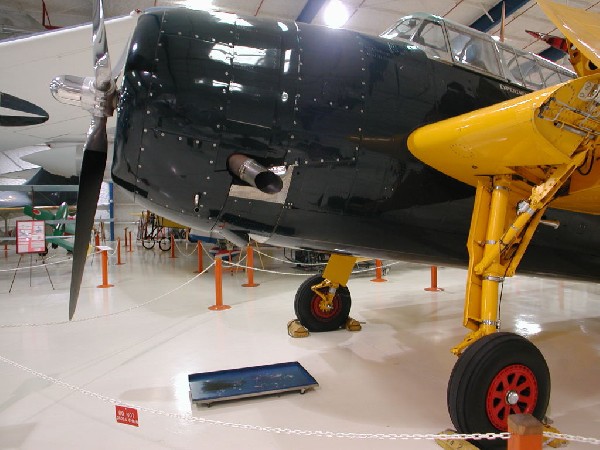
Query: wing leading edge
x,y
529,137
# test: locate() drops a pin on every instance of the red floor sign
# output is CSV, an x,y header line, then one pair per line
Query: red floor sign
x,y
128,416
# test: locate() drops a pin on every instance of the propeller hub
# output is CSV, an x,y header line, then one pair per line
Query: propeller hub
x,y
82,92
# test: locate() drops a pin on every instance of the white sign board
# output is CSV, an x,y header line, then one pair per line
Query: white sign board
x,y
31,236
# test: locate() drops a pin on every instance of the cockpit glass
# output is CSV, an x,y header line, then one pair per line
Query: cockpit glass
x,y
475,50
431,35
405,29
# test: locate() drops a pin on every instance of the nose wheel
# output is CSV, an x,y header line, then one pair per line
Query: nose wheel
x,y
498,375
321,314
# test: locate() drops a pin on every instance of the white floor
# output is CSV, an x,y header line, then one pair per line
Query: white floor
x,y
139,346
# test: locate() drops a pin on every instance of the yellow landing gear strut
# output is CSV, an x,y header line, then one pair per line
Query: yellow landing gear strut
x,y
521,155
495,249
323,302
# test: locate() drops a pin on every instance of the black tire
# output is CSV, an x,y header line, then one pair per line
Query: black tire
x,y
148,243
165,244
306,305
483,377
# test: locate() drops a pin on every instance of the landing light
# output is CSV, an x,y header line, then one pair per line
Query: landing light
x,y
336,14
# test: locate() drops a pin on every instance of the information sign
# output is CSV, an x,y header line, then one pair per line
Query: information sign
x,y
128,416
31,236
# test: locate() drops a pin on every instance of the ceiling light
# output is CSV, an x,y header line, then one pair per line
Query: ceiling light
x,y
335,14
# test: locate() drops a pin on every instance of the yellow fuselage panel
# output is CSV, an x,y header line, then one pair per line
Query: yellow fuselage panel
x,y
523,136
489,141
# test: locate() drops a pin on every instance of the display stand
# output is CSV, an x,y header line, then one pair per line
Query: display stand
x,y
30,270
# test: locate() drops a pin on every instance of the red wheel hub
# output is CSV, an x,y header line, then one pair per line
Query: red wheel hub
x,y
319,308
513,390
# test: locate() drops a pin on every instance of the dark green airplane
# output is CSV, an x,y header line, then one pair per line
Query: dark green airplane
x,y
61,229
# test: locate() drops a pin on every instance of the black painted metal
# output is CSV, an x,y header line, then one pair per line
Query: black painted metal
x,y
334,105
36,115
552,54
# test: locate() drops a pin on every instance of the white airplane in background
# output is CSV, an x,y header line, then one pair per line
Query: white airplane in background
x,y
29,116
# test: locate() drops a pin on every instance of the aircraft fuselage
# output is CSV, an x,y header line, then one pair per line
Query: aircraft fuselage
x,y
328,110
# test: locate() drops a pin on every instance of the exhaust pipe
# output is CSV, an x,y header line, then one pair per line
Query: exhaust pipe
x,y
254,174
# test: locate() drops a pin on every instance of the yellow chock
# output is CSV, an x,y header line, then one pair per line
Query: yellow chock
x,y
554,443
296,329
454,444
353,325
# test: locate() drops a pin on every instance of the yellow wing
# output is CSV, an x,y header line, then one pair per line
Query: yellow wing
x,y
545,138
580,27
529,137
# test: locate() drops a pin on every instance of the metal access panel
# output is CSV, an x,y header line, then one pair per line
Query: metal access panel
x,y
233,384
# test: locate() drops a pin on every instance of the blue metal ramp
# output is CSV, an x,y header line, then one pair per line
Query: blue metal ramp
x,y
232,384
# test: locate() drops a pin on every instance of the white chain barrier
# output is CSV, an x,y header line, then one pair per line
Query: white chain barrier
x,y
86,319
571,438
358,271
278,430
184,253
287,261
268,429
46,264
290,431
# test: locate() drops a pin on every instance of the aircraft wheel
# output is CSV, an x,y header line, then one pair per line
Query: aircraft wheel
x,y
148,243
314,314
498,375
165,244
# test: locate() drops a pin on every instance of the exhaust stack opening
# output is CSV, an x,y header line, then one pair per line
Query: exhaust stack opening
x,y
254,174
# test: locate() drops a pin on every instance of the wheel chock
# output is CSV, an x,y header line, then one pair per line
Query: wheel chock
x,y
352,325
554,443
296,329
454,444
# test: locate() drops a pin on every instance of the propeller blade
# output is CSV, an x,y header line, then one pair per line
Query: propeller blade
x,y
94,154
90,181
101,58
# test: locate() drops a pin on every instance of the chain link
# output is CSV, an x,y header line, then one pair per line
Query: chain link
x,y
86,319
306,274
46,264
268,429
182,252
572,438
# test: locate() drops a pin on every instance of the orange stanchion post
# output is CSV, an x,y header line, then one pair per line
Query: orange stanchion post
x,y
97,239
434,287
125,237
105,283
378,272
130,243
200,263
172,246
119,252
526,432
218,306
250,268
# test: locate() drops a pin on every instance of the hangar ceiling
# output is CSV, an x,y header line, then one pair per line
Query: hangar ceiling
x,y
369,16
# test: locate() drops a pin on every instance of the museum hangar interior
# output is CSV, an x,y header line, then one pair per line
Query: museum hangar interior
x,y
269,161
